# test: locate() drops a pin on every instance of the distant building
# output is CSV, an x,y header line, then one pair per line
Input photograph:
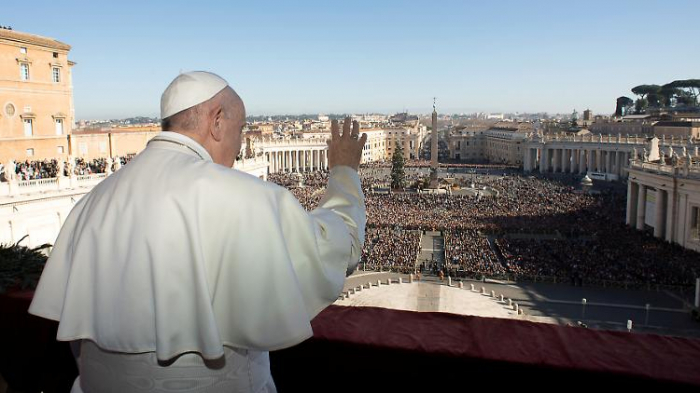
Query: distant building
x,y
36,96
497,143
631,124
663,196
677,129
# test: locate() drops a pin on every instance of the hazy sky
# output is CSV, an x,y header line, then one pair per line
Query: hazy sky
x,y
370,56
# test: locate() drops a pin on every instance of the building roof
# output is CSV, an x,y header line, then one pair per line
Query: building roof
x,y
26,38
677,124
636,117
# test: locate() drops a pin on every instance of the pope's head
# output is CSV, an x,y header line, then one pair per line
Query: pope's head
x,y
204,107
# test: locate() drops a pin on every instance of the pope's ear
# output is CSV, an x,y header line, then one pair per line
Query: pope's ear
x,y
217,129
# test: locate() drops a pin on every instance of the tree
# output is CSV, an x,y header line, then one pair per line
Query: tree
x,y
667,93
643,90
623,106
690,89
398,177
641,105
649,95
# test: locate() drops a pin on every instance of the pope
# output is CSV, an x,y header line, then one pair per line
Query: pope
x,y
179,273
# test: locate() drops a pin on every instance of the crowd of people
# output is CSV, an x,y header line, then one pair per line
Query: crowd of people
x,y
468,254
390,249
50,168
543,228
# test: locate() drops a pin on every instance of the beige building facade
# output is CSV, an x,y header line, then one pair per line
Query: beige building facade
x,y
665,199
502,143
36,97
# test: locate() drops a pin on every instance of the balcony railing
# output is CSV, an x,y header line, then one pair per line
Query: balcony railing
x,y
24,187
375,349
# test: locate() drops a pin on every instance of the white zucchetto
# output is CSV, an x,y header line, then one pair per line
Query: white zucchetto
x,y
188,90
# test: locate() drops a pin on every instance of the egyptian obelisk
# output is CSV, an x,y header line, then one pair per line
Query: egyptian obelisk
x,y
434,150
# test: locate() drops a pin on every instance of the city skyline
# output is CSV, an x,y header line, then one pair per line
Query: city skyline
x,y
365,57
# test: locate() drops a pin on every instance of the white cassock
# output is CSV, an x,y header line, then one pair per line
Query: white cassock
x,y
174,254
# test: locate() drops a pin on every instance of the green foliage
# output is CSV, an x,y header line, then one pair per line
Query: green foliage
x,y
398,176
684,91
644,90
623,105
641,105
20,266
689,90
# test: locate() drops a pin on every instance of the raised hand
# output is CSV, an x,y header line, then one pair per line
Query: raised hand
x,y
345,149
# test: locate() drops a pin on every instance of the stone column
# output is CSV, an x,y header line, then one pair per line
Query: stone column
x,y
543,160
526,160
298,161
632,191
641,206
608,164
599,161
564,154
670,200
581,161
660,213
590,166
557,159
325,159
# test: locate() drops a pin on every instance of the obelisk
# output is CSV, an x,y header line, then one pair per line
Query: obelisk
x,y
434,150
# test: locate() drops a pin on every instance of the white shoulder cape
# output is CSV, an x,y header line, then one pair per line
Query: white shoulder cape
x,y
175,254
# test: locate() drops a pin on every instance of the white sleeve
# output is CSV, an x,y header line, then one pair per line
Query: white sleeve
x,y
344,198
337,231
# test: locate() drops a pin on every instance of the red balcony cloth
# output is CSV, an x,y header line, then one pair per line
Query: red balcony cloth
x,y
645,355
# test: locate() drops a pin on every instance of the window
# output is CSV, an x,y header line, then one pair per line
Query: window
x,y
56,74
30,152
60,150
24,71
59,126
23,50
55,55
28,127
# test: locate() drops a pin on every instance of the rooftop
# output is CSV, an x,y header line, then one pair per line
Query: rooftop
x,y
26,38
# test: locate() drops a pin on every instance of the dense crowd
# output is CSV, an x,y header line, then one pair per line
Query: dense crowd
x,y
393,249
523,218
467,253
49,168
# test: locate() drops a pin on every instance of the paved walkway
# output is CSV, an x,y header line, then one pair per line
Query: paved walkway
x,y
432,249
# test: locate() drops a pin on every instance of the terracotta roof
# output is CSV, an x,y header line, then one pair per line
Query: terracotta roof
x,y
12,35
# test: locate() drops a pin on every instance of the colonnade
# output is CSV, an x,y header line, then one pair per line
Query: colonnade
x,y
565,159
661,198
296,160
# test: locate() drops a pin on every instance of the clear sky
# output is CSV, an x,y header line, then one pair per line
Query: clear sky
x,y
370,56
